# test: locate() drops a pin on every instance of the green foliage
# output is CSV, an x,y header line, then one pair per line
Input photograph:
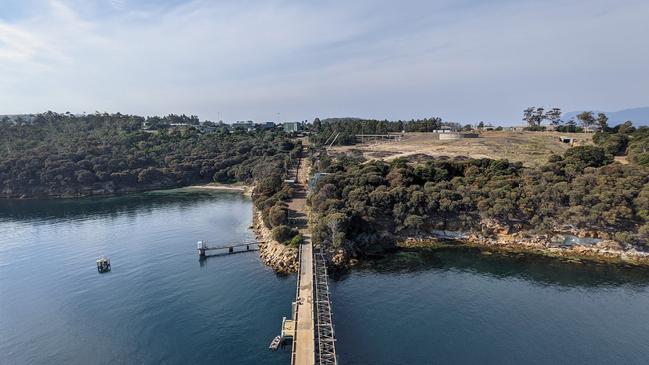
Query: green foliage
x,y
626,128
295,241
625,139
283,233
587,119
359,206
535,128
587,156
613,143
638,150
602,121
67,155
347,128
534,116
569,127
277,216
644,231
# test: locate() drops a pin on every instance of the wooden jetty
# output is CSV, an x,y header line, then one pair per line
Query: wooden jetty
x,y
204,248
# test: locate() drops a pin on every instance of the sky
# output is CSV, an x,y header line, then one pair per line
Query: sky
x,y
461,60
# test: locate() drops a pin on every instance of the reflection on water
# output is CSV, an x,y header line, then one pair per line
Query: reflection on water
x,y
534,268
110,206
159,304
460,306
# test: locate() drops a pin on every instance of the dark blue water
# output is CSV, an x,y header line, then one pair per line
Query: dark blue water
x,y
462,307
160,305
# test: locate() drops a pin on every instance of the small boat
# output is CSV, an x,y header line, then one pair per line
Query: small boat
x,y
274,344
103,264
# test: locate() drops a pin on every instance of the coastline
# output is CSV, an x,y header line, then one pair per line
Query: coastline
x,y
565,243
243,188
605,251
283,259
235,187
280,258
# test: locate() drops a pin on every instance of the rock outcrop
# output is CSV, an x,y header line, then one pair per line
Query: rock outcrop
x,y
279,257
585,244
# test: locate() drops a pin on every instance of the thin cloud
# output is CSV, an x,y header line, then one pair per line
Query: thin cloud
x,y
460,60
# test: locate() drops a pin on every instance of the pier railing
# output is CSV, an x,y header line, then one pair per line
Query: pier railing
x,y
294,307
325,339
203,247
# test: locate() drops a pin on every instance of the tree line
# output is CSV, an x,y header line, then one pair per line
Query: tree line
x,y
586,121
347,128
59,155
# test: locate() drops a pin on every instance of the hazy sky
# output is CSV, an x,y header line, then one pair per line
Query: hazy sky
x,y
460,60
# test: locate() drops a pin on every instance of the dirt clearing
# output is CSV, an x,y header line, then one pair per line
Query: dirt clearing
x,y
531,148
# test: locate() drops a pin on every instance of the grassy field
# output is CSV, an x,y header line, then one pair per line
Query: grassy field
x,y
531,148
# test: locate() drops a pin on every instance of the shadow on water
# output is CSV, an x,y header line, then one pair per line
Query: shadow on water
x,y
202,260
104,206
534,268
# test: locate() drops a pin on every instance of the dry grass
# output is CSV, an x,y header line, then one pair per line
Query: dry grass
x,y
531,148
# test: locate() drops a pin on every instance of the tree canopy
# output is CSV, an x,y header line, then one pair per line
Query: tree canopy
x,y
67,155
362,205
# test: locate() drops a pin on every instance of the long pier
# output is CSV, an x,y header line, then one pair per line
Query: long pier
x,y
312,323
303,350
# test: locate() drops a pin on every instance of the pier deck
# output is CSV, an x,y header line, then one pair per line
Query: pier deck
x,y
314,341
304,340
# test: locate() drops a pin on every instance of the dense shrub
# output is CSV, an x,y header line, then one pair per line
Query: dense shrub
x,y
283,233
587,156
277,216
64,154
295,241
625,139
360,205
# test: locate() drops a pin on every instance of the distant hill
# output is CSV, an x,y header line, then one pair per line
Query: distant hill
x,y
639,116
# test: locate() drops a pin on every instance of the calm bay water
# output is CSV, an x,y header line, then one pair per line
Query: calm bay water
x,y
158,305
161,305
462,307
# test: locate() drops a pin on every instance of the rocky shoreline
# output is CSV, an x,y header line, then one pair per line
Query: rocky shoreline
x,y
605,250
281,258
